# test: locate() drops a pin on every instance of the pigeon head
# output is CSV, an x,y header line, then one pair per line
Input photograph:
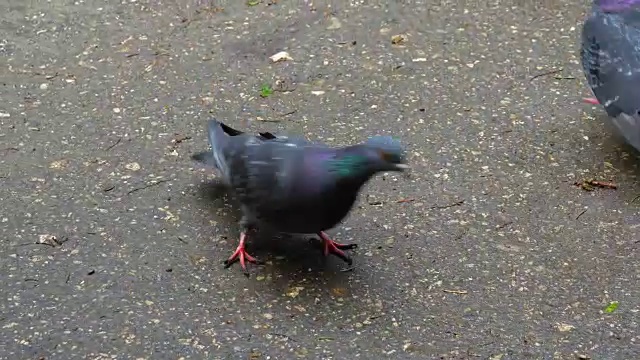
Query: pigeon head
x,y
386,153
377,154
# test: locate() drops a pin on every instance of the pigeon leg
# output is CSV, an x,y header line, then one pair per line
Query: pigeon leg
x,y
592,101
241,254
332,247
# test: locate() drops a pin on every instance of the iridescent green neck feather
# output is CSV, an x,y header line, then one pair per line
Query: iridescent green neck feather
x,y
348,165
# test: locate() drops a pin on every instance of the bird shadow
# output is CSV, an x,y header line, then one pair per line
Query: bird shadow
x,y
617,150
286,256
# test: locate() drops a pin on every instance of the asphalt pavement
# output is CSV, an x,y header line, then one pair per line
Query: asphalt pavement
x,y
514,237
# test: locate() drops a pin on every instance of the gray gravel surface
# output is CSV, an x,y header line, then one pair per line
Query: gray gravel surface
x,y
488,250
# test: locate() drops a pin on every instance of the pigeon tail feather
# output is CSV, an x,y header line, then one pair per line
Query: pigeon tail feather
x,y
219,134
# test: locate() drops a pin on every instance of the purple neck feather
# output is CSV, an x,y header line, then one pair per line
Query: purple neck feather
x,y
617,5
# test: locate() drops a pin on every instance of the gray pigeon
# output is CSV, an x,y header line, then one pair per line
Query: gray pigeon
x,y
610,56
291,185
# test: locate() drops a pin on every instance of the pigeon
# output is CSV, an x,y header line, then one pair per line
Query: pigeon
x,y
610,56
292,185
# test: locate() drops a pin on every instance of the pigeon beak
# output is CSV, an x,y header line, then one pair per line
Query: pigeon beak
x,y
402,167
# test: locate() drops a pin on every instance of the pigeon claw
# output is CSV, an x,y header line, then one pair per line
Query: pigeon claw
x,y
592,101
241,255
332,247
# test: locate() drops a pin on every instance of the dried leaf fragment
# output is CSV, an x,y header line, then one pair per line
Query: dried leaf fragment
x,y
399,39
564,327
294,291
134,166
281,56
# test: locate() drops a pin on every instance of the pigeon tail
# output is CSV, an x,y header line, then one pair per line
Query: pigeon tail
x,y
218,138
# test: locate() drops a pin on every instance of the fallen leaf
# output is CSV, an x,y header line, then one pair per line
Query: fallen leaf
x,y
613,306
281,56
266,90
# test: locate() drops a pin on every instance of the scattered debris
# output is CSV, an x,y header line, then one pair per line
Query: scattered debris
x,y
253,2
266,90
58,164
151,184
560,77
457,203
564,327
335,23
401,201
170,216
317,92
504,225
294,291
108,188
281,56
399,39
207,100
581,213
259,118
349,269
613,306
546,73
591,184
134,166
339,291
114,144
285,85
51,240
282,336
457,292
291,112
180,138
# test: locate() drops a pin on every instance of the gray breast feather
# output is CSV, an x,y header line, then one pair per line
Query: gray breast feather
x,y
610,56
